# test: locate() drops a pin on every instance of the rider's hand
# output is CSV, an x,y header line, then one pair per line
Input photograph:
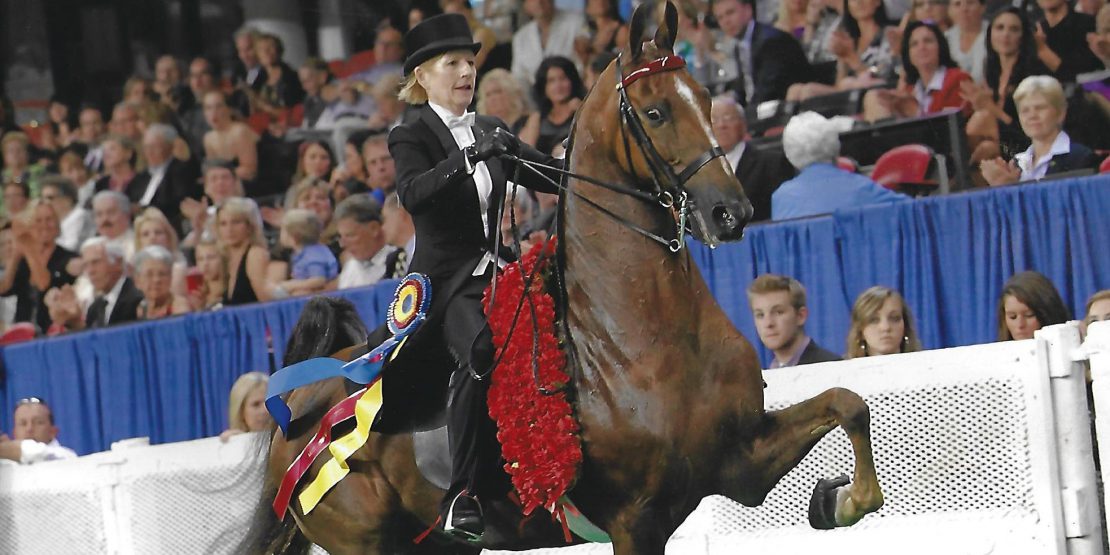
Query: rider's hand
x,y
497,143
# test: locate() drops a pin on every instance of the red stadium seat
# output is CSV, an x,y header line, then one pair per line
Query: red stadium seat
x,y
908,169
847,164
1104,167
23,331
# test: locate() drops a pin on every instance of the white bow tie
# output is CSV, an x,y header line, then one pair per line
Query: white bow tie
x,y
465,121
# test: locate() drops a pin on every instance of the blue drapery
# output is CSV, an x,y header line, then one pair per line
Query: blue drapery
x,y
949,256
167,380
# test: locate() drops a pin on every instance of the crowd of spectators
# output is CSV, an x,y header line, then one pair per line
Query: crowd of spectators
x,y
203,188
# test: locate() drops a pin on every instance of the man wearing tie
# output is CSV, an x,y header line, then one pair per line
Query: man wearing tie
x,y
166,181
117,299
767,60
760,173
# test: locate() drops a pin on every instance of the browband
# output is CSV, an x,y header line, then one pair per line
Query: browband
x,y
658,65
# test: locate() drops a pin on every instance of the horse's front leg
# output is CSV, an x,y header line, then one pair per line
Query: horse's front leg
x,y
635,531
786,436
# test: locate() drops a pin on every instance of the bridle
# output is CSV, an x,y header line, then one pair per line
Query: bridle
x,y
669,185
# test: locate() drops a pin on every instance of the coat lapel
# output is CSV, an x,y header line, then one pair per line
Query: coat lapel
x,y
442,134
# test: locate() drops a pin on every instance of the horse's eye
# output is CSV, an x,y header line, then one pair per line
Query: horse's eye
x,y
655,115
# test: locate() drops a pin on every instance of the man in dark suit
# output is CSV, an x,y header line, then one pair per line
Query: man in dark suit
x,y
760,173
778,306
166,181
451,180
767,60
117,299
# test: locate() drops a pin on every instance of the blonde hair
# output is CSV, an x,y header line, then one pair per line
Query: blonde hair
x,y
238,396
302,225
412,91
1103,295
773,283
1044,85
248,210
866,307
153,215
15,137
512,89
296,192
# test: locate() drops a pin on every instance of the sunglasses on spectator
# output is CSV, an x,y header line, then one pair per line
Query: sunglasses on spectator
x,y
30,401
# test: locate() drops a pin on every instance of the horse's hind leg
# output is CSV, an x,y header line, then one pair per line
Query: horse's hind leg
x,y
789,434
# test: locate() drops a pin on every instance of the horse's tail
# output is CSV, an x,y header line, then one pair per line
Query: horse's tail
x,y
267,533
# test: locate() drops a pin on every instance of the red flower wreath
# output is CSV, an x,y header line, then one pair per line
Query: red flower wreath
x,y
538,433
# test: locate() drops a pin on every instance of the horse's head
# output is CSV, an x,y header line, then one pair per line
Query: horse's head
x,y
666,142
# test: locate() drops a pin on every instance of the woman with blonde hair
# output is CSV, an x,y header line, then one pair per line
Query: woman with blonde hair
x,y
882,324
500,95
239,228
153,228
246,405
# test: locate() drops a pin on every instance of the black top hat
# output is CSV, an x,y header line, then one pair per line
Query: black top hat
x,y
436,35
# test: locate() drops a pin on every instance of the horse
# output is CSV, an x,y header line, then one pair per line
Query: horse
x,y
668,393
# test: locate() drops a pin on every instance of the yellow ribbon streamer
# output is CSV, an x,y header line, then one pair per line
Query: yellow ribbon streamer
x,y
366,409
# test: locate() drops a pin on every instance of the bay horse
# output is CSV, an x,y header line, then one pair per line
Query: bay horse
x,y
668,393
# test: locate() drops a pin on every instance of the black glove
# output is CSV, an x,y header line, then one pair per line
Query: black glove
x,y
497,143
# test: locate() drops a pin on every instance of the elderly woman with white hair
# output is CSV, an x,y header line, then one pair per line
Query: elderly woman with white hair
x,y
812,144
153,276
1042,107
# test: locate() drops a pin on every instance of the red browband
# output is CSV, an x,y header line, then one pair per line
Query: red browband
x,y
658,65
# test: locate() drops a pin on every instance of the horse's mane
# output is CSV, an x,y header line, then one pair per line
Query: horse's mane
x,y
327,325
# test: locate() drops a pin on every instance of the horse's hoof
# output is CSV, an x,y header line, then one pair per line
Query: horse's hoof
x,y
822,506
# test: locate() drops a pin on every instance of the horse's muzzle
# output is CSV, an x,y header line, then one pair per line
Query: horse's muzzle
x,y
730,218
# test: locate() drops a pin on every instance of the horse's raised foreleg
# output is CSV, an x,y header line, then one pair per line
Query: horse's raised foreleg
x,y
635,531
789,434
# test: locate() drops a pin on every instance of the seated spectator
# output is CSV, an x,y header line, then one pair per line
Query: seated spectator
x,y
605,31
318,90
861,43
35,437
1011,57
7,302
1062,40
168,84
779,310
36,263
16,195
811,144
1099,41
167,181
350,177
480,32
116,299
760,173
967,38
1028,303
359,221
551,32
71,164
350,108
153,113
153,277
277,85
16,148
390,108
152,228
931,80
558,91
202,79
61,114
246,68
765,62
314,160
239,226
246,407
501,96
90,132
822,19
312,265
791,17
137,90
381,173
401,233
112,215
76,222
229,139
882,324
212,266
119,157
220,184
1041,109
125,123
389,52
1098,309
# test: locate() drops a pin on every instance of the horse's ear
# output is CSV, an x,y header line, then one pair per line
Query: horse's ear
x,y
636,30
668,31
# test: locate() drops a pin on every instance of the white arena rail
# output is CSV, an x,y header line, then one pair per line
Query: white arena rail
x,y
982,449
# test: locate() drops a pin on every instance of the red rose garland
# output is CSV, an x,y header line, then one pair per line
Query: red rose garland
x,y
538,433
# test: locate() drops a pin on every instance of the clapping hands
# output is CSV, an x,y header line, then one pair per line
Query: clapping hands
x,y
997,172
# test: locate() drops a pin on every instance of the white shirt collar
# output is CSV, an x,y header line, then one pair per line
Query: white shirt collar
x,y
735,154
923,90
1061,145
379,257
113,295
444,114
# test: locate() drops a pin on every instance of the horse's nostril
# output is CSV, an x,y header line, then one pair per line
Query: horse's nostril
x,y
725,218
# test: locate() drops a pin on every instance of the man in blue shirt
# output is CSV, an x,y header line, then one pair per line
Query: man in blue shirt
x,y
812,144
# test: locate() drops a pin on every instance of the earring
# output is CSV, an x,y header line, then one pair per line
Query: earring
x,y
905,343
863,347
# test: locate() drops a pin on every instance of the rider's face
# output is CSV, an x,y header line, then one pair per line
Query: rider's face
x,y
449,80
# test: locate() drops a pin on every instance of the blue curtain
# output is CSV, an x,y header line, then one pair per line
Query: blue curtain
x,y
949,256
